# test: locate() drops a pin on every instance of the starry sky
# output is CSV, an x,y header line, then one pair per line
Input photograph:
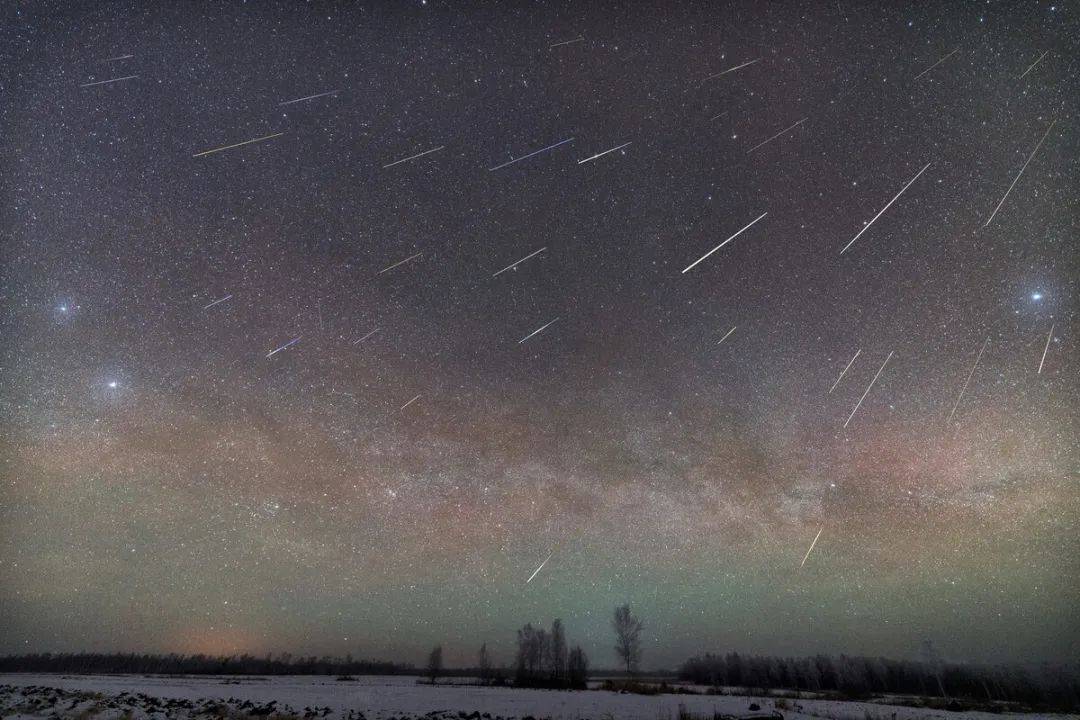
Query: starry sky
x,y
274,379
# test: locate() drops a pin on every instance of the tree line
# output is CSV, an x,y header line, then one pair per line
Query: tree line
x,y
544,658
147,664
856,677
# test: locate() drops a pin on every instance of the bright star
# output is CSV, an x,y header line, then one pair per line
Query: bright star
x,y
1036,296
113,384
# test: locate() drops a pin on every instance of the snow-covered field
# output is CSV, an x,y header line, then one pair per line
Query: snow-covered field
x,y
132,697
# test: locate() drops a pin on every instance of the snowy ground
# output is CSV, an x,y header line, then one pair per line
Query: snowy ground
x,y
131,697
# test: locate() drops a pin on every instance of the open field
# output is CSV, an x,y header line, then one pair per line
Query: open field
x,y
132,697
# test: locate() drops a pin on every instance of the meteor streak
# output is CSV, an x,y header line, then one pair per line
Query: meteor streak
x,y
1020,173
726,336
776,136
858,404
964,389
935,65
236,145
411,257
106,82
538,331
413,157
1035,63
409,403
525,157
1048,337
310,97
537,570
620,147
357,342
882,212
277,350
514,265
566,42
731,69
691,266
811,547
845,370
220,300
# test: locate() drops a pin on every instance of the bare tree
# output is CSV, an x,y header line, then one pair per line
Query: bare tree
x,y
627,637
557,651
577,669
483,662
528,654
932,657
434,663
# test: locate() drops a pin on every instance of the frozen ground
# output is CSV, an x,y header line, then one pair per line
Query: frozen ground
x,y
133,697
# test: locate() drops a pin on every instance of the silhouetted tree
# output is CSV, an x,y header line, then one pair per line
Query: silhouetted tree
x,y
932,658
434,663
527,660
557,651
627,637
483,663
541,659
577,669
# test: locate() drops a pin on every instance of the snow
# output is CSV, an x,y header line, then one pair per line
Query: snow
x,y
382,698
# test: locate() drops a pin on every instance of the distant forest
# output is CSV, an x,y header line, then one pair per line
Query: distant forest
x,y
198,664
860,677
1047,686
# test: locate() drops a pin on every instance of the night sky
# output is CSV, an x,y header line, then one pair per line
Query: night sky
x,y
279,396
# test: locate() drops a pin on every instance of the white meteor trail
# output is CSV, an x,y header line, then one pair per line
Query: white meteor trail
x,y
275,351
413,157
310,97
691,265
1035,63
964,389
811,547
858,404
118,57
882,211
787,129
409,403
538,331
239,144
935,65
1045,349
620,147
567,42
220,300
357,342
842,374
731,69
514,265
411,257
106,82
525,157
1021,172
537,570
726,336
